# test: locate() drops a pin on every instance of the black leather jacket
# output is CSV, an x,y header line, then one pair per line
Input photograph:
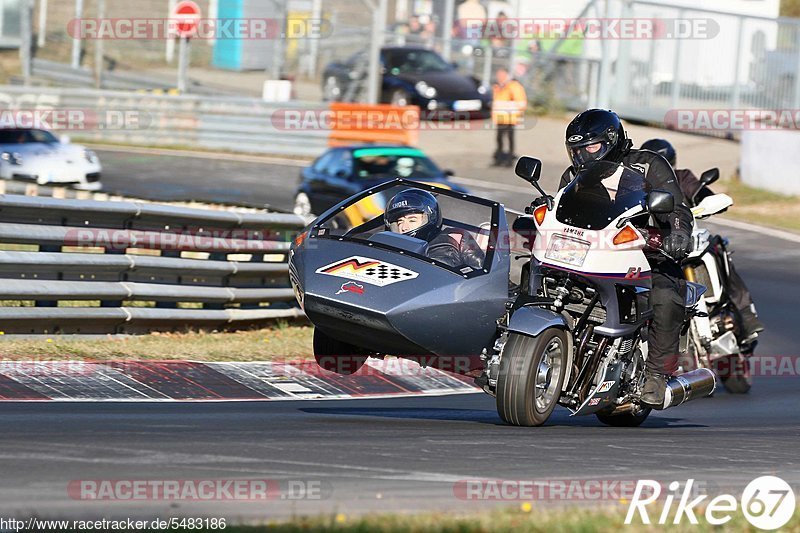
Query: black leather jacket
x,y
455,248
691,187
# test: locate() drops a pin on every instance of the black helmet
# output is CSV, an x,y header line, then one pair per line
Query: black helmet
x,y
592,127
414,201
663,147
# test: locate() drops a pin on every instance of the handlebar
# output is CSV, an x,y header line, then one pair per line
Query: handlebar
x,y
654,242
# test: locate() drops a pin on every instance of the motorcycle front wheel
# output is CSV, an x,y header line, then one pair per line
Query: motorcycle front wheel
x,y
532,371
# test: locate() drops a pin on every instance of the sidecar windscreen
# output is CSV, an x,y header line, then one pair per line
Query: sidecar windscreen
x,y
599,194
464,243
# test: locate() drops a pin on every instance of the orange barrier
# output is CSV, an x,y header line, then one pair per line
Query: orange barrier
x,y
380,123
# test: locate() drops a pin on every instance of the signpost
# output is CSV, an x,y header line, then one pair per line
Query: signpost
x,y
187,16
374,77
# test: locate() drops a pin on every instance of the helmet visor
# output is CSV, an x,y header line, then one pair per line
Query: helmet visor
x,y
588,153
408,222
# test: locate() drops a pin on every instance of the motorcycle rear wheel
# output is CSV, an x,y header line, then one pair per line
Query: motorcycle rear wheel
x,y
734,372
336,356
531,376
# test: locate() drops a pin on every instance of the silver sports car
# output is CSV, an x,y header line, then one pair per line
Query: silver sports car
x,y
39,156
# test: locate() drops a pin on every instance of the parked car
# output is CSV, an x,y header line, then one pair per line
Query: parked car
x,y
412,75
342,172
39,156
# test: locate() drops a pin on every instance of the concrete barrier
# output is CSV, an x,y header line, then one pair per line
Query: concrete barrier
x,y
771,160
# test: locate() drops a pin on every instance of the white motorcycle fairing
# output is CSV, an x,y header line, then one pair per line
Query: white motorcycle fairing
x,y
711,205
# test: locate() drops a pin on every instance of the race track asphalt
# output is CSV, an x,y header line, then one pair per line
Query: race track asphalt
x,y
395,454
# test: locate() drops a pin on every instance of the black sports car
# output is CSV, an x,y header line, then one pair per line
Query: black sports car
x,y
411,76
342,172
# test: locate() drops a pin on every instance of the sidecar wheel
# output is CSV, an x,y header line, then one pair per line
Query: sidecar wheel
x,y
631,419
336,356
531,376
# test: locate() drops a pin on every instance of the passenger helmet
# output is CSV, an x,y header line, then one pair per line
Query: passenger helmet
x,y
414,201
663,147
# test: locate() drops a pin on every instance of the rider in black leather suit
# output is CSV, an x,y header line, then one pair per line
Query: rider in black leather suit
x,y
596,135
694,191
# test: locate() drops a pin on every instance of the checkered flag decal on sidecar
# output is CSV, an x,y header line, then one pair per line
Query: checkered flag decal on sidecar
x,y
368,270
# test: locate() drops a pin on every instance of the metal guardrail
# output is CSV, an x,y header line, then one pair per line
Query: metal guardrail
x,y
214,122
28,188
90,266
116,80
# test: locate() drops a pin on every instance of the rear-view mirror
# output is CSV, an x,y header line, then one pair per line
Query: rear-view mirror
x,y
660,202
529,168
709,176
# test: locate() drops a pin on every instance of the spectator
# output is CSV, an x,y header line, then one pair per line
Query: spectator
x,y
415,31
527,54
508,107
499,39
428,33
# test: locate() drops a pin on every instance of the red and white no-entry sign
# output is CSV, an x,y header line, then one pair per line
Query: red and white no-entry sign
x,y
187,16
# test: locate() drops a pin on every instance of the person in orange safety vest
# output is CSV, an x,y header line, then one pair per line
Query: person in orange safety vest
x,y
508,109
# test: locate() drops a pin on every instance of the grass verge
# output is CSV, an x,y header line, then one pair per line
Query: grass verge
x,y
522,519
517,520
282,341
762,207
184,149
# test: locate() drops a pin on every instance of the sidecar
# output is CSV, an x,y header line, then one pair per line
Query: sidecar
x,y
369,291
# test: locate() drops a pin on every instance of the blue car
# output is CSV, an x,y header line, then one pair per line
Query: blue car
x,y
342,172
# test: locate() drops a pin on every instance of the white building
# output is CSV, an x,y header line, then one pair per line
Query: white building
x,y
705,61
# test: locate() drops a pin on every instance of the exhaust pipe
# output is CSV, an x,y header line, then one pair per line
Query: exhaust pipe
x,y
689,386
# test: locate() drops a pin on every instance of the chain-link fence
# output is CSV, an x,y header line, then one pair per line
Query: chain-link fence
x,y
552,79
737,61
57,40
741,62
231,57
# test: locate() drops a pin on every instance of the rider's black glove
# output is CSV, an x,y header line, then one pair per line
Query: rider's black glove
x,y
677,246
542,200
